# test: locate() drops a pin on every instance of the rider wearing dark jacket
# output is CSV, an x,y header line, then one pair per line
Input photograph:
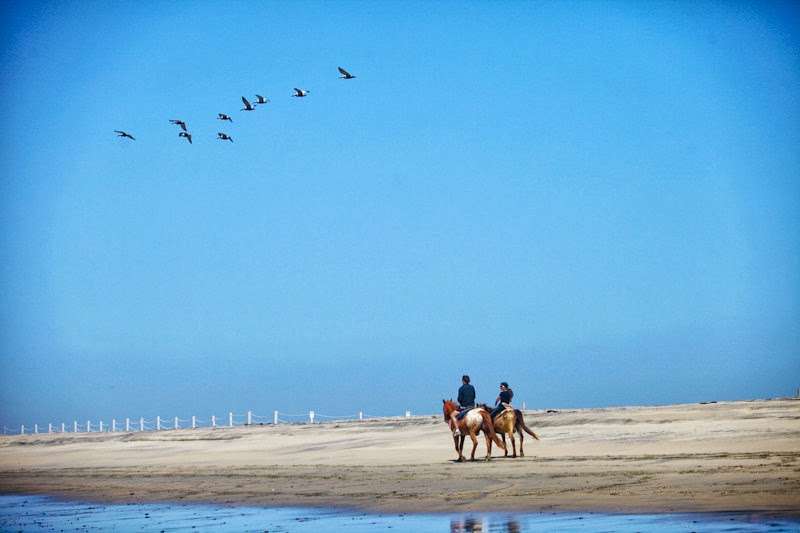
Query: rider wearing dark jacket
x,y
466,401
503,399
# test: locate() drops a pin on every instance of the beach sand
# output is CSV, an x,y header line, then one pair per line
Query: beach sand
x,y
727,456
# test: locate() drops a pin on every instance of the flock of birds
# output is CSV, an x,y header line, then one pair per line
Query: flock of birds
x,y
248,106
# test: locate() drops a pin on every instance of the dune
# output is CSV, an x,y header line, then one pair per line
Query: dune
x,y
726,456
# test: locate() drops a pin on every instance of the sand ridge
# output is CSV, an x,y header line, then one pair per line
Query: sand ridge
x,y
693,457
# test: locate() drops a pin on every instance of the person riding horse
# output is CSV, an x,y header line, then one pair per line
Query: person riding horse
x,y
466,401
503,400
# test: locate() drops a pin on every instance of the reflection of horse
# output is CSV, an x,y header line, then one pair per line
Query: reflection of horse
x,y
502,427
473,422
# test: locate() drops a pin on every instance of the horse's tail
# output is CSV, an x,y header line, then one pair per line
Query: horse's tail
x,y
521,425
488,427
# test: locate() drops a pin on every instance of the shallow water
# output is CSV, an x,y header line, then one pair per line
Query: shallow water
x,y
39,513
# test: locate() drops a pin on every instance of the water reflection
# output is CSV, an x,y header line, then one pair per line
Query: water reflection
x,y
479,525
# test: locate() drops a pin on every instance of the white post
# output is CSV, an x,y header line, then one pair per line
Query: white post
x,y
141,424
311,417
88,426
158,423
74,426
230,419
113,425
249,418
408,413
523,405
361,415
101,426
63,427
176,424
22,429
275,417
36,428
127,425
194,422
49,427
213,421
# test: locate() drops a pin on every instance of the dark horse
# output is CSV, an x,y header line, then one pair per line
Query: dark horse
x,y
473,422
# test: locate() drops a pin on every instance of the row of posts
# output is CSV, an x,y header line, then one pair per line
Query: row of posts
x,y
175,423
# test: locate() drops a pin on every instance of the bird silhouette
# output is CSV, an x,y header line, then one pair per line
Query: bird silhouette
x,y
344,74
186,135
124,134
224,137
261,100
247,105
300,93
223,116
178,122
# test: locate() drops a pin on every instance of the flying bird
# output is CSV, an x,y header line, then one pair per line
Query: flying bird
x,y
223,116
178,122
124,134
344,74
186,135
247,105
224,137
261,100
300,93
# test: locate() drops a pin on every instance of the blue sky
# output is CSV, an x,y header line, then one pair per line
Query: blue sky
x,y
598,202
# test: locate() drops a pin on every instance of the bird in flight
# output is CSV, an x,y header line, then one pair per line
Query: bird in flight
x,y
344,74
124,134
247,105
224,137
223,116
178,122
186,135
300,93
261,100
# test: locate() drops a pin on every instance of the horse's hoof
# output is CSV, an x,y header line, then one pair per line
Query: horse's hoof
x,y
513,456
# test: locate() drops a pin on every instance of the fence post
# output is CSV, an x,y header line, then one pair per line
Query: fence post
x,y
127,425
158,423
49,427
101,426
523,405
249,418
63,427
22,429
408,413
194,422
74,426
361,415
36,428
213,421
275,417
311,417
177,426
230,419
88,426
141,423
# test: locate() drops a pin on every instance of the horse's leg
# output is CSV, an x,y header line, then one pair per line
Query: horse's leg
x,y
504,443
513,443
488,446
474,443
461,447
521,438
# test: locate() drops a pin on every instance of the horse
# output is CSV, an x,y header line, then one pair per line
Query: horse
x,y
506,422
473,422
519,426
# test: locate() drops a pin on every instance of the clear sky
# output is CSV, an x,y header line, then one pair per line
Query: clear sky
x,y
598,202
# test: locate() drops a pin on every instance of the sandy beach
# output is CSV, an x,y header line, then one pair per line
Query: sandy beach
x,y
727,456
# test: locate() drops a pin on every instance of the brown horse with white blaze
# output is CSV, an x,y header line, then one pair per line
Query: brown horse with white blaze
x,y
475,421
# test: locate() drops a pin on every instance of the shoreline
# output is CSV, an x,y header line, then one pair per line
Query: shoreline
x,y
688,458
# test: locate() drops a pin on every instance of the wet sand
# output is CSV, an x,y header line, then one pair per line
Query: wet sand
x,y
728,456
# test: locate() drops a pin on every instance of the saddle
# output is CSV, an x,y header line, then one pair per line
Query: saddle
x,y
506,408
